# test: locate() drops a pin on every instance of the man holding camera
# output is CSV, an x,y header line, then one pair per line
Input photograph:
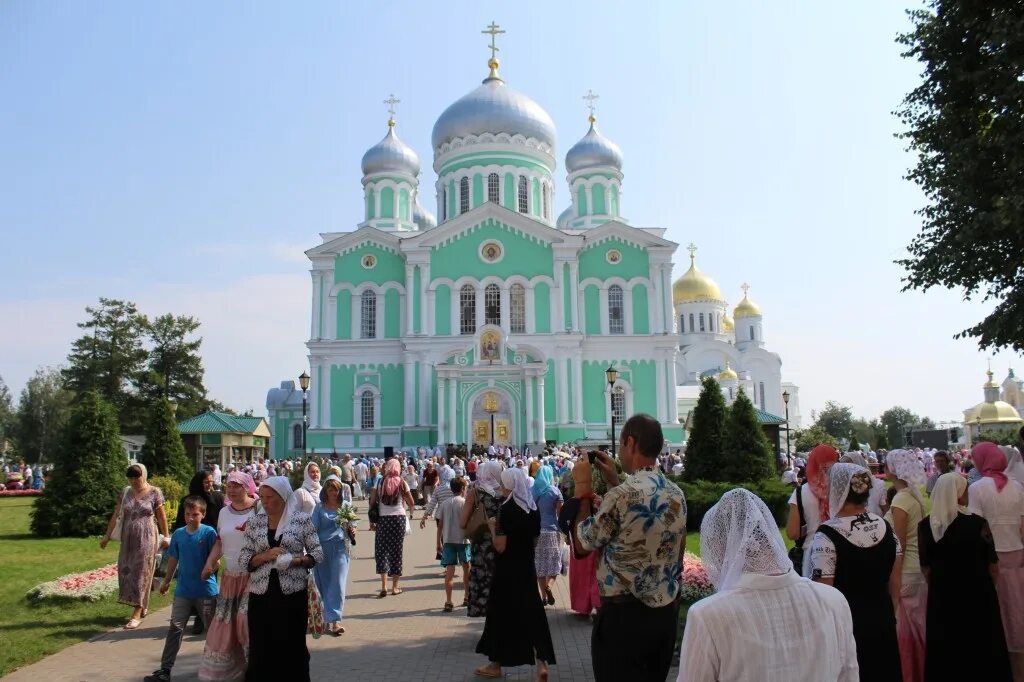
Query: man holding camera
x,y
639,530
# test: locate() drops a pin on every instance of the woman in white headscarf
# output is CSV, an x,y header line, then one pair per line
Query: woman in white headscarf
x,y
279,548
857,552
516,629
726,637
485,491
876,501
309,494
959,559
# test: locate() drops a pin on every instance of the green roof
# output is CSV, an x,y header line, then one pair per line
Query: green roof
x,y
219,422
768,417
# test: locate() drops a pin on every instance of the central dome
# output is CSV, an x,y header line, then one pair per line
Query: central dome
x,y
494,108
694,285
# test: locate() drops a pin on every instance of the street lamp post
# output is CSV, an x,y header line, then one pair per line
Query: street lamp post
x,y
612,375
785,401
304,385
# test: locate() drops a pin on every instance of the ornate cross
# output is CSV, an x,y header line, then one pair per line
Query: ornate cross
x,y
391,101
493,30
590,98
746,288
692,248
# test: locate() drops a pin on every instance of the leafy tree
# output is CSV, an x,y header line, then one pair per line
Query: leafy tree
x,y
836,419
998,437
6,416
747,455
164,453
926,423
895,420
174,369
110,357
88,473
882,441
807,439
862,431
43,410
704,447
966,123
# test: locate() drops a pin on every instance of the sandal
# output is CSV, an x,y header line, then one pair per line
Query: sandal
x,y
132,624
382,594
551,598
398,591
465,602
484,671
448,607
145,612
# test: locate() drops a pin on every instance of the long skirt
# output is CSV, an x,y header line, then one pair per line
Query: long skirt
x,y
331,577
548,554
387,545
583,593
911,616
277,635
1010,589
136,562
227,639
481,575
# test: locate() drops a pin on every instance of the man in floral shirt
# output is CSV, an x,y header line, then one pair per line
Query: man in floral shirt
x,y
640,532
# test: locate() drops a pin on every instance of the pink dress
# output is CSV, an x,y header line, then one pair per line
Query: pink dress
x,y
583,593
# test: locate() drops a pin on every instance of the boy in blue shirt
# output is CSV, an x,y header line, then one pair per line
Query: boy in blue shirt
x,y
190,547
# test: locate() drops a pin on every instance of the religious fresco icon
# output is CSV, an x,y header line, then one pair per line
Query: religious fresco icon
x,y
613,256
490,345
491,252
369,261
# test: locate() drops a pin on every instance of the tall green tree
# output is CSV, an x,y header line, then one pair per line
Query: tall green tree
x,y
807,439
6,416
43,409
704,446
747,456
88,473
164,453
895,421
965,121
862,431
174,368
854,443
109,358
836,419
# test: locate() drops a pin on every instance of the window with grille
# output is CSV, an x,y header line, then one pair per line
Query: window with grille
x,y
297,437
545,190
523,194
463,195
366,410
618,404
616,316
492,304
444,204
761,387
517,302
692,328
701,318
368,318
493,189
467,310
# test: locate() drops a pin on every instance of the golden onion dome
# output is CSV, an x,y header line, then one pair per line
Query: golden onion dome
x,y
728,374
694,285
991,382
746,307
994,412
727,324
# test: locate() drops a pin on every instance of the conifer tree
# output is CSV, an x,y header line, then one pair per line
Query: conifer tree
x,y
164,453
88,474
746,452
704,446
854,444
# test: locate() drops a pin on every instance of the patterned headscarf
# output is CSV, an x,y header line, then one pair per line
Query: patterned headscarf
x,y
991,462
244,480
514,480
820,459
392,478
905,465
488,477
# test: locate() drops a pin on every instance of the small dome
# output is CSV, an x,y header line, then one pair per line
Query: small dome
x,y
727,324
994,412
423,218
391,155
746,308
494,108
694,285
593,151
563,219
728,374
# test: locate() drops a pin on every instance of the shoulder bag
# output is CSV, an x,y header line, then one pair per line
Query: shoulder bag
x,y
476,526
116,533
373,513
796,553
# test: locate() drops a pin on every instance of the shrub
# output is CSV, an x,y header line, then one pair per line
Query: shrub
x,y
702,495
172,489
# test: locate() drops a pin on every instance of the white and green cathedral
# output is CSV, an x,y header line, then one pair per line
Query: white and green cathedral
x,y
497,320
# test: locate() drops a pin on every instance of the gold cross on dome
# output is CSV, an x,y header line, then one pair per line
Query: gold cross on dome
x,y
494,31
590,98
746,288
692,248
391,101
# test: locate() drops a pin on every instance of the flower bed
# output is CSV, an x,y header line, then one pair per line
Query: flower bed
x,y
88,586
19,493
696,583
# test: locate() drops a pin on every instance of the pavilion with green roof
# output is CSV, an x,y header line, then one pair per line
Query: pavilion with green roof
x,y
221,438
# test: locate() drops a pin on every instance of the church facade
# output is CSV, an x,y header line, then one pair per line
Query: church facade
x,y
497,321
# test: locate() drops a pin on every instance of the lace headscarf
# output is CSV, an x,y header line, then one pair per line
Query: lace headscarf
x,y
307,481
488,477
283,487
818,462
854,458
1014,463
739,535
991,462
946,494
446,476
514,480
843,478
906,466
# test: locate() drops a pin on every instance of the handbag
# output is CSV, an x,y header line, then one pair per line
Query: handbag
x,y
476,526
315,624
373,513
796,553
116,533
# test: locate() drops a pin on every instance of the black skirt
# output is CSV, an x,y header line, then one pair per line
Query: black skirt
x,y
277,635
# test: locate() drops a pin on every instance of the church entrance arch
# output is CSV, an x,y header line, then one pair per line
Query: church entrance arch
x,y
491,417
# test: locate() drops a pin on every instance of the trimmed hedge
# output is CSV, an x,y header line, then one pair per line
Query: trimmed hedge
x,y
702,495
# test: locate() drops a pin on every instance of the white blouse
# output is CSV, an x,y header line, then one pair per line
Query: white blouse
x,y
231,530
1001,508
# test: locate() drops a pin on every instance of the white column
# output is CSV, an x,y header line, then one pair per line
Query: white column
x,y
561,391
574,300
670,393
602,308
557,301
666,293
453,387
410,311
627,310
541,435
440,411
577,390
503,299
325,394
426,301
357,313
531,311
654,302
531,430
659,383
318,283
479,307
378,331
409,368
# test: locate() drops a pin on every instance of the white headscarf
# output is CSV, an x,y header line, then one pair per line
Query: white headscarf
x,y
283,487
1014,464
905,465
842,477
307,481
516,480
738,535
946,502
488,476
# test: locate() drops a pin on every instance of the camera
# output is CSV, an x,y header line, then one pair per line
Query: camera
x,y
591,456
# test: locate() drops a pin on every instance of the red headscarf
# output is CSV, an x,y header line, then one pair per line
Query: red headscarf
x,y
991,462
818,463
392,477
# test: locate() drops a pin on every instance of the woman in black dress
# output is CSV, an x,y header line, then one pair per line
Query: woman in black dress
x,y
958,558
516,628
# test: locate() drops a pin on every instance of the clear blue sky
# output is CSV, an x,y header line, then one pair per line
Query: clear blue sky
x,y
184,154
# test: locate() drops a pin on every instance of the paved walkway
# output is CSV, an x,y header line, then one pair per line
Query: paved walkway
x,y
405,638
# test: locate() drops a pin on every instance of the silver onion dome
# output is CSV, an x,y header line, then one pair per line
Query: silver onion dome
x,y
564,218
494,108
592,151
391,155
423,218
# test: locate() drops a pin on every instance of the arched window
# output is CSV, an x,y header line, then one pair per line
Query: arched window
x,y
751,332
701,318
366,420
619,404
492,304
692,328
517,303
493,188
523,194
616,313
546,200
463,195
467,309
368,315
297,437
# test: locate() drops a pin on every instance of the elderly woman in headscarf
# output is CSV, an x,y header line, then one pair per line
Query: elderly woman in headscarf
x,y
905,470
309,494
959,562
877,503
765,622
811,499
141,508
279,548
549,545
394,501
857,552
485,492
516,629
999,499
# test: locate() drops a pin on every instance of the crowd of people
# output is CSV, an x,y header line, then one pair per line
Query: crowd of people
x,y
890,559
22,476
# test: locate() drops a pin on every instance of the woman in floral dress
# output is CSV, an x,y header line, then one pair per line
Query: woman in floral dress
x,y
141,504
481,569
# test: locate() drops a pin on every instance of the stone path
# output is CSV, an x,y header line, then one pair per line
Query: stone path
x,y
405,638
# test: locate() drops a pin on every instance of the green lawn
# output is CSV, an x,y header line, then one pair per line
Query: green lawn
x,y
693,541
28,633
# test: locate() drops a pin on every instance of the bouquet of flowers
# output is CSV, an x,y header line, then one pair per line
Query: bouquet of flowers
x,y
696,583
347,519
